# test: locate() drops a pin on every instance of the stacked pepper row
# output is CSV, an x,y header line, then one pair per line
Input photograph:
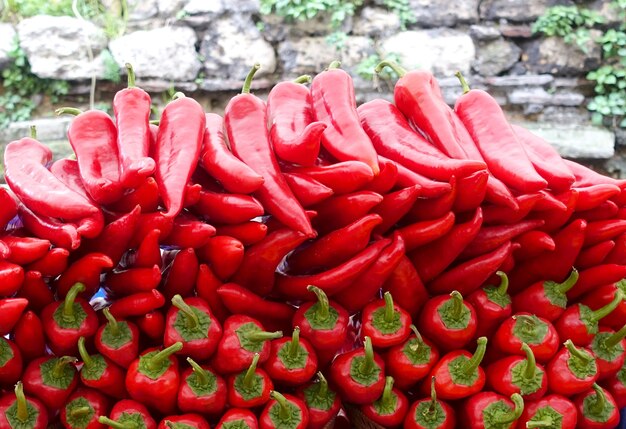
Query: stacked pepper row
x,y
300,261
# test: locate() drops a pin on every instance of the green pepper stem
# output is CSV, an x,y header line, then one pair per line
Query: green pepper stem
x,y
57,371
415,347
155,121
387,396
156,359
305,78
546,423
577,353
294,344
323,307
131,75
22,404
84,355
248,82
389,309
334,65
67,111
70,298
515,413
368,363
602,312
191,317
322,389
251,371
569,282
474,362
33,132
178,95
263,335
531,363
285,413
80,411
457,304
400,71
113,323
615,337
599,403
201,374
169,424
464,84
433,396
113,423
503,287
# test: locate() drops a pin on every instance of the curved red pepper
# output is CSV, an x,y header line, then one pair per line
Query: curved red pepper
x,y
430,188
148,253
471,191
386,179
533,243
342,210
29,336
538,333
137,304
498,215
606,210
11,310
405,284
181,275
423,232
27,412
201,390
308,190
25,250
394,206
85,270
228,208
36,291
591,197
594,255
114,239
224,254
133,280
342,177
248,233
491,237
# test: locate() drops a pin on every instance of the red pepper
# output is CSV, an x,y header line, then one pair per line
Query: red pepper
x,y
60,234
555,219
129,414
152,324
394,206
133,280
386,179
207,285
549,202
83,409
333,280
596,409
497,215
66,321
181,274
11,362
580,323
342,210
342,177
493,304
93,137
491,237
51,379
307,190
246,127
545,299
52,264
602,230
148,253
423,232
239,300
411,361
385,323
591,197
594,255
29,337
430,188
250,388
292,360
609,348
244,418
586,177
190,322
323,322
448,321
100,373
532,244
11,278
177,149
496,140
145,196
550,411
430,413
433,259
131,107
248,233
85,270
458,373
602,296
572,370
517,374
201,390
405,284
294,134
285,412
471,191
184,421
227,208
11,310
115,237
224,254
470,275
322,403
538,333
606,210
18,410
243,338
9,206
117,340
155,371
137,304
488,409
390,409
617,387
25,250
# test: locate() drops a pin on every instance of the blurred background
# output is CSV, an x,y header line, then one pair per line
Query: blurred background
x,y
557,67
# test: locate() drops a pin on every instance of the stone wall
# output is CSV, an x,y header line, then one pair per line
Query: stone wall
x,y
205,47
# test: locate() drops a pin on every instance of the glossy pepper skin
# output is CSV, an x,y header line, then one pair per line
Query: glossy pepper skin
x,y
552,411
322,403
545,299
18,410
129,414
572,370
493,303
515,374
292,360
11,309
430,413
184,421
51,379
100,373
244,418
155,371
488,409
85,270
411,361
117,340
250,388
201,390
385,323
11,363
390,409
538,333
83,408
596,409
609,348
284,411
358,375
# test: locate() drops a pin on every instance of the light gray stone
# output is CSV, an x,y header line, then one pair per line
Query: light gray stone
x,y
57,47
232,45
355,49
564,115
142,9
202,7
164,53
374,21
543,97
7,42
47,129
306,55
553,55
515,10
517,31
240,6
484,32
576,141
495,57
436,13
519,80
170,8
442,51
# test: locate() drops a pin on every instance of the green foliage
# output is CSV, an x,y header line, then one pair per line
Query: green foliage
x,y
27,8
402,8
111,68
20,86
365,69
303,10
573,24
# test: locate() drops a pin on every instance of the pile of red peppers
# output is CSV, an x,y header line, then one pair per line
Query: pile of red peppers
x,y
303,263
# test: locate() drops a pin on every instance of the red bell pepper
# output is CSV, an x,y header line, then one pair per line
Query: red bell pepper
x,y
117,340
609,348
100,373
552,411
11,310
488,409
83,409
184,421
493,303
11,362
411,361
292,360
595,277
51,379
572,370
617,387
250,388
596,409
601,297
545,299
129,414
538,333
29,336
285,412
201,390
385,323
322,403
18,410
243,418
390,409
430,413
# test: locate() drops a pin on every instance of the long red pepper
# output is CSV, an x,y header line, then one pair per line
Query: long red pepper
x,y
131,107
386,179
207,284
538,333
294,134
246,126
85,270
12,277
36,291
18,410
29,336
227,208
133,280
115,237
177,148
332,92
423,232
594,255
145,195
593,196
137,304
11,309
341,210
532,244
341,177
491,237
471,191
9,207
596,409
201,390
151,324
606,210
25,250
248,233
497,215
618,254
406,177
182,274
394,206
405,284
307,190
